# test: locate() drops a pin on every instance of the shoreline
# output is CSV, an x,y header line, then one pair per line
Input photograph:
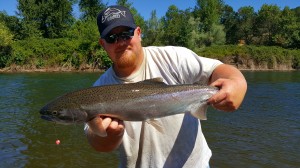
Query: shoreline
x,y
48,70
90,70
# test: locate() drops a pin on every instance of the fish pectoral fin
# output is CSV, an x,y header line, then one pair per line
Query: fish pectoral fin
x,y
199,111
156,125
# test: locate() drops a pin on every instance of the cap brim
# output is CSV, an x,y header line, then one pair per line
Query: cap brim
x,y
109,28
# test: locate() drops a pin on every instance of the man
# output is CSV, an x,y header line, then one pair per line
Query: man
x,y
182,144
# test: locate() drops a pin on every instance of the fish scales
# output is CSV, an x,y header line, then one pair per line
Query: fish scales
x,y
132,102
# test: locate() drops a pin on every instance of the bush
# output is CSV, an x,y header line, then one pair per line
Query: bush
x,y
46,51
259,54
41,52
5,44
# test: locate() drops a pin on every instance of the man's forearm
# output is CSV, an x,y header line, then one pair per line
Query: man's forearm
x,y
103,144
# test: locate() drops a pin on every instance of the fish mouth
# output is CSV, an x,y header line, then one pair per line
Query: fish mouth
x,y
47,117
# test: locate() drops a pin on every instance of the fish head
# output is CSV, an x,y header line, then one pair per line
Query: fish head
x,y
63,115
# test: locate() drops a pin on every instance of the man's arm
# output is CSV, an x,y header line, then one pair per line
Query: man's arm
x,y
233,87
114,129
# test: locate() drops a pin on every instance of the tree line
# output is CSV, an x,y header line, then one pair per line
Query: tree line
x,y
45,33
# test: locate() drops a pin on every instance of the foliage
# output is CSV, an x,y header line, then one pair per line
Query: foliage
x,y
6,39
209,29
90,8
229,20
86,32
268,23
269,26
259,54
209,12
12,23
48,19
153,31
245,20
289,33
41,52
177,31
44,33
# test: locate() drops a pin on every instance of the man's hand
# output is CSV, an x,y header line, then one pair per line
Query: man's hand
x,y
232,86
102,126
105,133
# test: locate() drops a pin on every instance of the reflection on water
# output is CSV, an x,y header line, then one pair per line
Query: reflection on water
x,y
264,132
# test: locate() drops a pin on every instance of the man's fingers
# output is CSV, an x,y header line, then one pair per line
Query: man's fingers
x,y
106,122
98,125
116,127
217,98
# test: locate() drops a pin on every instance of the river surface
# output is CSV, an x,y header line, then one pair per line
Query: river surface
x,y
264,132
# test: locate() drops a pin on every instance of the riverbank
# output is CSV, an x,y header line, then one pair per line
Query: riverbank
x,y
28,69
246,57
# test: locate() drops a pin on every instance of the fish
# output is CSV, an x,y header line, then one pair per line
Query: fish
x,y
141,101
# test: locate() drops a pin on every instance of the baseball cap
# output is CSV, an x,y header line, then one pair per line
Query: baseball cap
x,y
114,16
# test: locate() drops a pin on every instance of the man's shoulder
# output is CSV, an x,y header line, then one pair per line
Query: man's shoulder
x,y
106,78
165,48
172,53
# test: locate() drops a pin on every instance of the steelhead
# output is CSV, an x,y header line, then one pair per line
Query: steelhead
x,y
140,101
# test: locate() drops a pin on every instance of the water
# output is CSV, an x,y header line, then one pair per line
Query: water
x,y
264,132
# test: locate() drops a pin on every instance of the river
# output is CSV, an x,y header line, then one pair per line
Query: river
x,y
264,132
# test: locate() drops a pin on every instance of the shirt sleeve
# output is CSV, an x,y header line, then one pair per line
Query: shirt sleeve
x,y
193,68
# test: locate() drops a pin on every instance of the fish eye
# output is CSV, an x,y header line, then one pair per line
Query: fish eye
x,y
54,113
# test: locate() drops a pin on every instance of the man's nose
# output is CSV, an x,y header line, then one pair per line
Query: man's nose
x,y
121,41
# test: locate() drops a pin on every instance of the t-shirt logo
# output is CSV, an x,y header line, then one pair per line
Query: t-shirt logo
x,y
112,13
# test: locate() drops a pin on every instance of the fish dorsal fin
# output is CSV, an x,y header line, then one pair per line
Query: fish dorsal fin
x,y
157,80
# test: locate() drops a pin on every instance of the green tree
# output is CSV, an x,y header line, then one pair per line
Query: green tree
x,y
194,43
12,23
6,37
46,18
176,29
6,40
229,20
27,11
86,33
297,12
90,8
289,34
245,20
209,12
268,23
153,30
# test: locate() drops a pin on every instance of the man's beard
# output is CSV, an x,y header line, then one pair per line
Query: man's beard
x,y
126,60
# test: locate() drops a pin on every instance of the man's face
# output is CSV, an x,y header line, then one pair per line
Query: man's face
x,y
123,52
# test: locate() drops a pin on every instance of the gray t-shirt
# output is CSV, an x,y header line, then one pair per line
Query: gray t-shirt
x,y
182,143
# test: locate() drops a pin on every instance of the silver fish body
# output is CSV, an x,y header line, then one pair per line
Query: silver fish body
x,y
140,101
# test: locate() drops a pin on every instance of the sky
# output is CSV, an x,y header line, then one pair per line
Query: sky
x,y
144,7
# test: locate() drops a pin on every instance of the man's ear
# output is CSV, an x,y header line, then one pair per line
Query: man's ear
x,y
139,32
101,42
